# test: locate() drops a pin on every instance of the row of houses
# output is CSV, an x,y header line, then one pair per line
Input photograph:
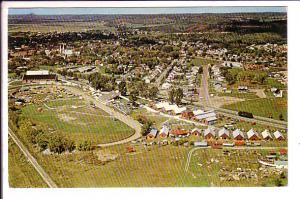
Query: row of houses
x,y
211,133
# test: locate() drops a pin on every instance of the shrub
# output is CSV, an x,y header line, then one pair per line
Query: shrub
x,y
85,146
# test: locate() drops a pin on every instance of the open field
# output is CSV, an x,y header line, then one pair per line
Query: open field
x,y
59,27
203,61
237,94
20,172
262,107
78,121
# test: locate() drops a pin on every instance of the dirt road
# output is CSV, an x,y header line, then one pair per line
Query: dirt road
x,y
32,160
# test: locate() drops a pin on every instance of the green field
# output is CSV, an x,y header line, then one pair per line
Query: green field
x,y
203,61
20,172
78,121
262,107
237,94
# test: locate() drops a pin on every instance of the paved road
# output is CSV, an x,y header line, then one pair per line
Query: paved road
x,y
32,160
123,118
203,89
186,168
162,76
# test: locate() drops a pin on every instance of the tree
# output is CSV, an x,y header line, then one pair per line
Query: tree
x,y
122,88
42,141
172,95
57,143
152,92
85,146
281,117
133,96
178,96
146,127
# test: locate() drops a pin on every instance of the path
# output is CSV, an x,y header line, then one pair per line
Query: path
x,y
32,160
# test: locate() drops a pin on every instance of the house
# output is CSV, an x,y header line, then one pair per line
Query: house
x,y
278,135
209,117
252,135
187,114
196,132
164,131
200,144
198,112
152,134
179,132
266,135
276,92
161,105
209,133
178,110
223,133
166,86
238,134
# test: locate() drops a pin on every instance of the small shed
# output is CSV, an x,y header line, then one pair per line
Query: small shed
x,y
266,135
223,133
278,135
252,135
152,134
196,132
209,133
238,134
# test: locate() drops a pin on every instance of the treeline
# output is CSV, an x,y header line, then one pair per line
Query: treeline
x,y
33,40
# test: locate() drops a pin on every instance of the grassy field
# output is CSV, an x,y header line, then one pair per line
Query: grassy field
x,y
203,61
59,27
235,93
262,107
205,167
78,121
20,172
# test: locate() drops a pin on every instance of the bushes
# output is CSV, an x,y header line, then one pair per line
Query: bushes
x,y
85,146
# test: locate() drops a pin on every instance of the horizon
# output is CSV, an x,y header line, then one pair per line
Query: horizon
x,y
145,10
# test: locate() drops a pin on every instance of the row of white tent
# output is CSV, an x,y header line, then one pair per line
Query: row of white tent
x,y
238,134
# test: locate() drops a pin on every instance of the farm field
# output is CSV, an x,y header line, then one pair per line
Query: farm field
x,y
262,107
78,121
20,172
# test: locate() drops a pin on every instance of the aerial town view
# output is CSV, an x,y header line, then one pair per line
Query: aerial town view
x,y
137,97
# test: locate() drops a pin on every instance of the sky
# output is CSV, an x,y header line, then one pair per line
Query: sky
x,y
169,10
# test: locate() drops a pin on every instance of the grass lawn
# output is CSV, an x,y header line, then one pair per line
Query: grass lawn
x,y
262,107
21,173
78,123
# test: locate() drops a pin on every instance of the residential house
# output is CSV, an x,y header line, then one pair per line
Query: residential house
x,y
209,133
164,131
